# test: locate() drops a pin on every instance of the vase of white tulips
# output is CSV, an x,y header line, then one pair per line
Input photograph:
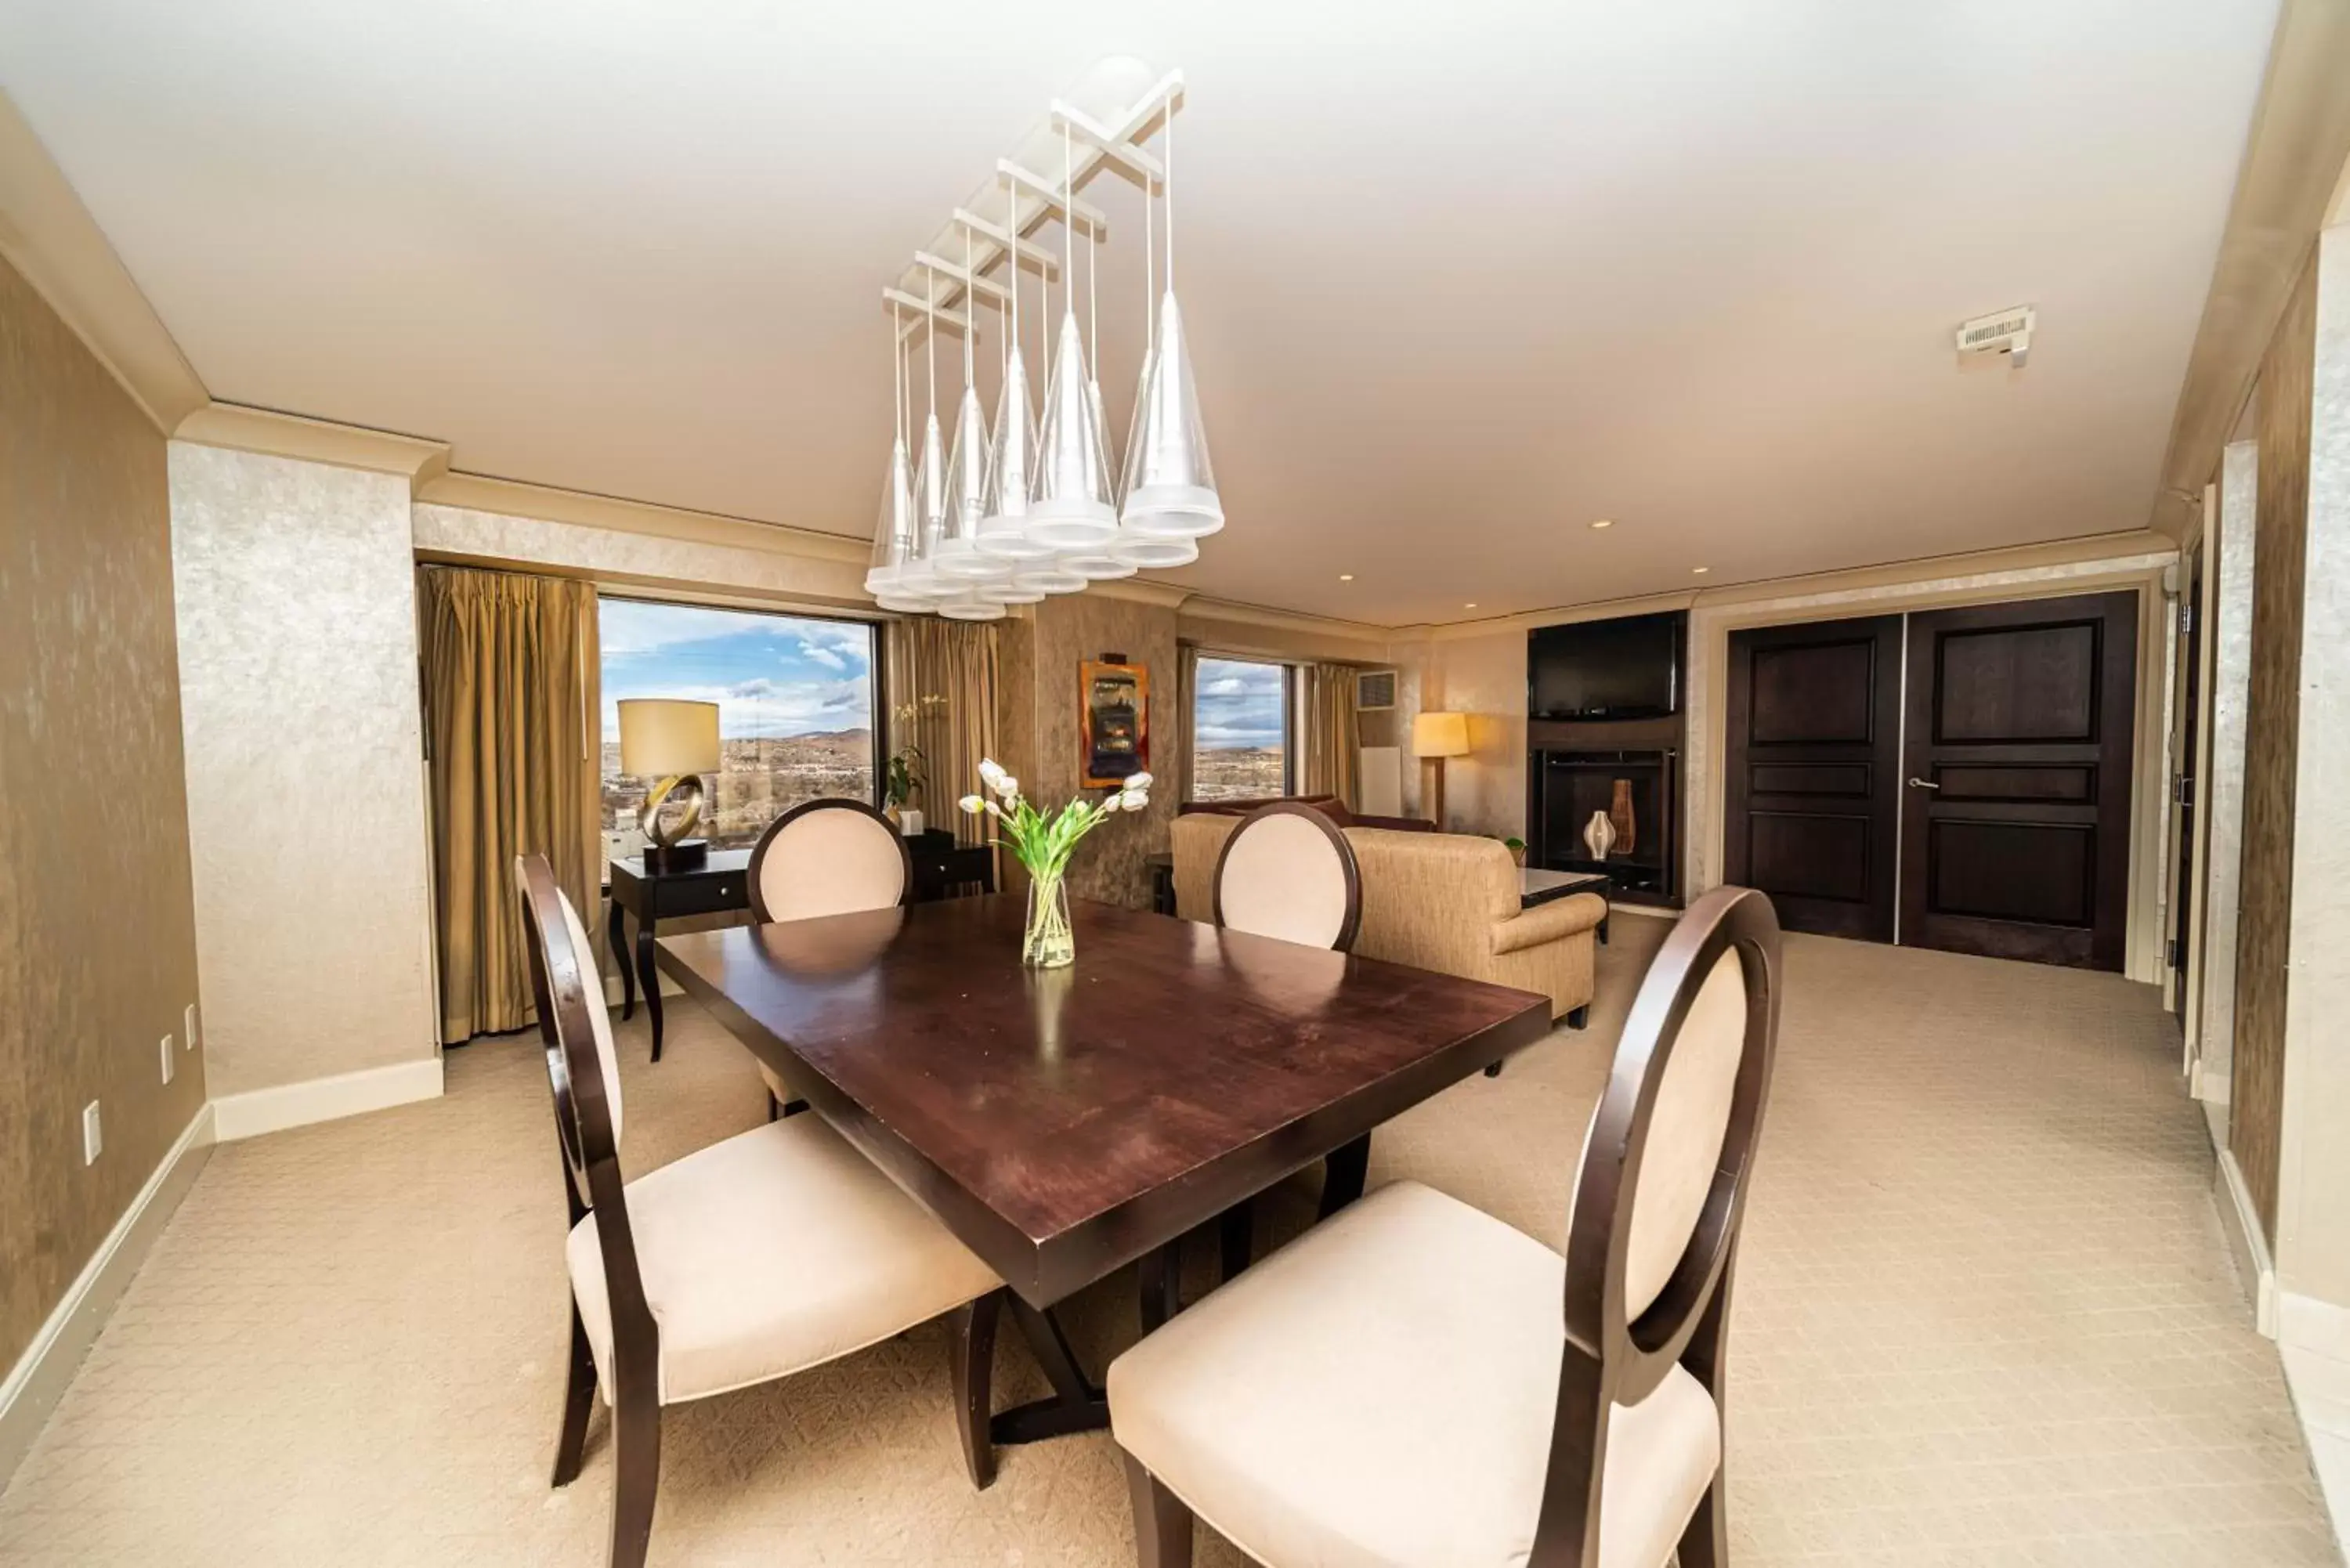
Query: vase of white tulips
x,y
1044,845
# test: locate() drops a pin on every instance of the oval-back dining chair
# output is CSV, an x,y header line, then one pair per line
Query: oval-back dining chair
x,y
1286,871
830,857
1400,1386
761,1255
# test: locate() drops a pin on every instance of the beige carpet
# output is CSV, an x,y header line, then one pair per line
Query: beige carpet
x,y
1985,1318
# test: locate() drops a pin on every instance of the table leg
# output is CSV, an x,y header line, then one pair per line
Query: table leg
x,y
1603,930
1162,1285
1077,1404
650,978
1236,1237
618,943
1343,1173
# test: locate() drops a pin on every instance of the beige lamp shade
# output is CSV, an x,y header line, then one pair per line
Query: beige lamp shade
x,y
1438,735
664,736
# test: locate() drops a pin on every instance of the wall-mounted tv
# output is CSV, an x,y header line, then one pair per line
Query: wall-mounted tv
x,y
1629,667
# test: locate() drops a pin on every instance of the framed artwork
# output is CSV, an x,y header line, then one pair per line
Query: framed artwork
x,y
1113,722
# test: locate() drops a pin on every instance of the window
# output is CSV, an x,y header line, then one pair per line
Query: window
x,y
1240,730
795,700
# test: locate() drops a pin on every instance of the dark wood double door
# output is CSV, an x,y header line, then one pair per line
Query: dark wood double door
x,y
1956,779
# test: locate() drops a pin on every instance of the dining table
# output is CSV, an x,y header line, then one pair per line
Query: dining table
x,y
1064,1123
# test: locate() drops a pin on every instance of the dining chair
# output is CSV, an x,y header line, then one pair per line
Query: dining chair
x,y
830,857
761,1255
1287,872
1398,1387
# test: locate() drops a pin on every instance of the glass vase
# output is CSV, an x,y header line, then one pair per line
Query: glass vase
x,y
1049,942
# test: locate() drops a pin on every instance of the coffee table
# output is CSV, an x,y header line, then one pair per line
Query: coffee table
x,y
1538,886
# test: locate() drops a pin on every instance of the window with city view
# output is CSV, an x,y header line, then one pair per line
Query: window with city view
x,y
795,700
1240,730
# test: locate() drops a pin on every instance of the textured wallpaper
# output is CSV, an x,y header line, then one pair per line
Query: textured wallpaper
x,y
296,595
1040,660
98,952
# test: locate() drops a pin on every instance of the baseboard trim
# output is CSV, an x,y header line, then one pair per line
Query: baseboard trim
x,y
259,1111
2240,1223
39,1379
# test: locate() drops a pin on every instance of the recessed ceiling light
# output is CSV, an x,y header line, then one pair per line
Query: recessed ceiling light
x,y
1471,605
1700,571
1602,522
1345,576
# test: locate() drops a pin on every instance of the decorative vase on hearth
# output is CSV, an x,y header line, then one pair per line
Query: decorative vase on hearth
x,y
1620,815
1599,836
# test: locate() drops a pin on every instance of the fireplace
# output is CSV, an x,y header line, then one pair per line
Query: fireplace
x,y
1567,786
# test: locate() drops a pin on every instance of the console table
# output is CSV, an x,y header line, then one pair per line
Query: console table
x,y
722,884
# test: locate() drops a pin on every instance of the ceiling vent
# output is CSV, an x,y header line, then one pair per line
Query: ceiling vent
x,y
1375,689
2005,332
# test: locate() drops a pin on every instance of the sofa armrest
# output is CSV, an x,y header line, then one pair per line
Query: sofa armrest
x,y
1553,921
1391,823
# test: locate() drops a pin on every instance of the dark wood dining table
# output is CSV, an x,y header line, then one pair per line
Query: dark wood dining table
x,y
1063,1123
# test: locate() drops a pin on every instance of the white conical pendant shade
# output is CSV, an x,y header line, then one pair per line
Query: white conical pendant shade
x,y
919,578
957,558
970,606
1134,545
1011,468
1047,576
1171,486
1069,507
1096,563
893,535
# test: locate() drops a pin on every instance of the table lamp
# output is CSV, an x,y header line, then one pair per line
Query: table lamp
x,y
674,742
1434,737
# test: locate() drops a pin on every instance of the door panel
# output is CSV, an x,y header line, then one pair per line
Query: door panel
x,y
2016,820
1812,795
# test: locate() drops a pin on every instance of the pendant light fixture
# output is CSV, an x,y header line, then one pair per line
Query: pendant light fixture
x,y
958,559
1070,508
893,535
1135,543
920,579
1171,486
1012,454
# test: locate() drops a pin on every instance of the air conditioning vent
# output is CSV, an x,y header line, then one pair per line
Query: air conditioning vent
x,y
2007,332
1374,689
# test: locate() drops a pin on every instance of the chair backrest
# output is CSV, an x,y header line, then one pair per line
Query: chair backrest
x,y
575,1026
828,858
1660,1193
1286,871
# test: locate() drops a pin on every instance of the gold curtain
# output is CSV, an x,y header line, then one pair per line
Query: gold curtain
x,y
511,713
1333,733
942,679
1186,695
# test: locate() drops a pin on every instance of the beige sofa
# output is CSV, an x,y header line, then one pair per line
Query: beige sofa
x,y
1442,901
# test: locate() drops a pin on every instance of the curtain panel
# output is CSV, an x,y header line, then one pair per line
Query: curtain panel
x,y
1333,733
942,679
511,713
1186,695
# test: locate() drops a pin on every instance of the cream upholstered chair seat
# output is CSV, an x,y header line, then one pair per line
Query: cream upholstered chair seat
x,y
1380,1394
779,1248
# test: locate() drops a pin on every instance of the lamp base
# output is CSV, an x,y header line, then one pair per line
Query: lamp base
x,y
686,855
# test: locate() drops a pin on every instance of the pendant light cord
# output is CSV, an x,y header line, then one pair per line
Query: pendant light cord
x,y
898,370
1170,195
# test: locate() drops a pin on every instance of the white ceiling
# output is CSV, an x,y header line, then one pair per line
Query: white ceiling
x,y
1458,278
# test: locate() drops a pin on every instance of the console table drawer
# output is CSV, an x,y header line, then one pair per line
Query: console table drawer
x,y
703,895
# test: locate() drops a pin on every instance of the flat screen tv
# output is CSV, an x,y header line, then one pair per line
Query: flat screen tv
x,y
1625,669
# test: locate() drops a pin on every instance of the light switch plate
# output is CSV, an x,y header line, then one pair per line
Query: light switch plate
x,y
188,1024
93,1138
166,1053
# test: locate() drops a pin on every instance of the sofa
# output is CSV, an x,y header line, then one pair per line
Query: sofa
x,y
1329,805
1442,901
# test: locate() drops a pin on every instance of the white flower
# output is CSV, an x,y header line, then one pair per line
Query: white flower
x,y
1137,781
993,774
970,804
1006,786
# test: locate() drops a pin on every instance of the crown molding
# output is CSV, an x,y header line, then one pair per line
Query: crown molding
x,y
1141,590
512,498
1204,607
51,237
2296,162
273,434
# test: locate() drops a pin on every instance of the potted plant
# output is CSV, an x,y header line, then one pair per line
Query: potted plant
x,y
1044,845
903,774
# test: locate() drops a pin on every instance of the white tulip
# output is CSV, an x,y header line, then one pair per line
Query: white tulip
x,y
988,770
970,804
1006,786
1139,781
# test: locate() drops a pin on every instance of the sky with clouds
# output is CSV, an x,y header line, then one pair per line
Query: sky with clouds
x,y
1239,706
771,675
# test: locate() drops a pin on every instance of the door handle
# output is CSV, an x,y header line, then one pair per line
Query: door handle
x,y
1922,784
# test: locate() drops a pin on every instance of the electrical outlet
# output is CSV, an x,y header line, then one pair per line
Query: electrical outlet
x,y
188,1031
167,1058
93,1138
